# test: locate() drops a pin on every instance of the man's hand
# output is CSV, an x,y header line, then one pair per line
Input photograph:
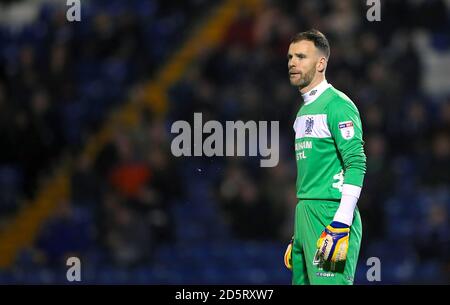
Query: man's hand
x,y
333,246
288,255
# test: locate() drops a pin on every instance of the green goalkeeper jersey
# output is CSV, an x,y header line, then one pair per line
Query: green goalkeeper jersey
x,y
328,145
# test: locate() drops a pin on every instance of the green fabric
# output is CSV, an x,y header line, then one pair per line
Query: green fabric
x,y
311,217
328,154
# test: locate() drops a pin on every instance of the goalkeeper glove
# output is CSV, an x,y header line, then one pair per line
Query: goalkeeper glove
x,y
333,246
288,255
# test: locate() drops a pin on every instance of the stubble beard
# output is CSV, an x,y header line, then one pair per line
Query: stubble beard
x,y
307,79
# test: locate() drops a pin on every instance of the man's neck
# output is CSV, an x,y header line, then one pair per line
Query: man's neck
x,y
313,84
311,95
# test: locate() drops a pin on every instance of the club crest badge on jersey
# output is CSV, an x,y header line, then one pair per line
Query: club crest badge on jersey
x,y
347,130
309,125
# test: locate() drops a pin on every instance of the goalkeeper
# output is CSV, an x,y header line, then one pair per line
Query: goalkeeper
x,y
331,165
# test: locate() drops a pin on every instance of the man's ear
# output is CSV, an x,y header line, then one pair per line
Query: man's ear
x,y
321,64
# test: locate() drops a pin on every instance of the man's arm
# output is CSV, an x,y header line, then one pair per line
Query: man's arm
x,y
346,128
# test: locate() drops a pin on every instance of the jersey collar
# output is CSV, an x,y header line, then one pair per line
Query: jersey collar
x,y
315,92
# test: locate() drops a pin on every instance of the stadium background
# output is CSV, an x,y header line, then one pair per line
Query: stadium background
x,y
86,109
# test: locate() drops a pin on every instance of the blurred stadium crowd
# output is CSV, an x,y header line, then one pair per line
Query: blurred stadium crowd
x,y
137,214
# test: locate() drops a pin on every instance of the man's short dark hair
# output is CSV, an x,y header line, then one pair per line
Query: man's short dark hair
x,y
315,36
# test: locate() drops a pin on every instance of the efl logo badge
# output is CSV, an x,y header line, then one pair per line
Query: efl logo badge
x,y
347,130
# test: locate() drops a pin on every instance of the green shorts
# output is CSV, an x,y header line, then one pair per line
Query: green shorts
x,y
311,217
